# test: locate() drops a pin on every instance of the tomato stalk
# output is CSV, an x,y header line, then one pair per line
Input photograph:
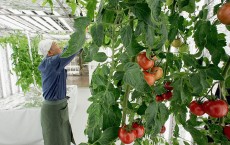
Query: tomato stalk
x,y
222,83
166,64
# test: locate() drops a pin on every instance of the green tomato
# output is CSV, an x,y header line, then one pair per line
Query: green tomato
x,y
177,43
183,48
169,2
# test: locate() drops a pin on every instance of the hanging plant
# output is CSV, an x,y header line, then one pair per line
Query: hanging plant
x,y
25,68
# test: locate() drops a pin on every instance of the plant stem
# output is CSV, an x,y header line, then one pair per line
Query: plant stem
x,y
166,64
125,102
222,83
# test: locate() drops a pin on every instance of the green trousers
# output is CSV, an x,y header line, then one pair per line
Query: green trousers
x,y
55,123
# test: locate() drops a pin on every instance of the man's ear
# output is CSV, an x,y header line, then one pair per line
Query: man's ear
x,y
50,53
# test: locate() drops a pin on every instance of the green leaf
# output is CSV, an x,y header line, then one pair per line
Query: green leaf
x,y
94,120
189,60
187,5
91,7
126,35
141,109
100,57
108,136
176,131
201,33
227,82
83,144
186,143
134,48
141,11
194,80
111,117
214,73
155,6
199,137
90,51
77,39
109,16
135,78
97,33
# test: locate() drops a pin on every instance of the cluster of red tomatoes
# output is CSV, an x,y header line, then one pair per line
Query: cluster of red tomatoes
x,y
129,134
214,108
167,95
151,73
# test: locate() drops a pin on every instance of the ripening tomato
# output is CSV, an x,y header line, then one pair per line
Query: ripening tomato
x,y
125,136
167,95
217,108
159,98
140,130
223,14
167,86
177,43
163,129
150,78
158,72
226,131
144,62
196,108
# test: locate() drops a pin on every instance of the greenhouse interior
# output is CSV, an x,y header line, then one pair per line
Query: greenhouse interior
x,y
138,72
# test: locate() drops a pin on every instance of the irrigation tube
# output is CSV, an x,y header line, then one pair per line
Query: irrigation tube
x,y
31,58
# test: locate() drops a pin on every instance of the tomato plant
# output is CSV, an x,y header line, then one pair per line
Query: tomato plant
x,y
118,86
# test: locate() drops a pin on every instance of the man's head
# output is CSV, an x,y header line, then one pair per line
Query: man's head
x,y
48,47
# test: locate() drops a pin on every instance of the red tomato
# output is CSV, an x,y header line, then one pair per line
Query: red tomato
x,y
223,14
167,86
163,129
140,130
217,108
196,108
167,95
158,72
205,106
125,136
144,62
227,131
159,98
150,78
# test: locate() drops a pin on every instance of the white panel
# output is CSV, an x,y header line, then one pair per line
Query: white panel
x,y
40,20
4,73
15,22
13,77
21,20
63,21
9,25
29,19
48,19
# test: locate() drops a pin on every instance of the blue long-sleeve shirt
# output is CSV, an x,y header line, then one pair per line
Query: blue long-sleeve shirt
x,y
54,76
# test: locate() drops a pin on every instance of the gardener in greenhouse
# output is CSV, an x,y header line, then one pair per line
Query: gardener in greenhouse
x,y
55,123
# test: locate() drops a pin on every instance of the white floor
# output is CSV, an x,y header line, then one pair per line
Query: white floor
x,y
79,119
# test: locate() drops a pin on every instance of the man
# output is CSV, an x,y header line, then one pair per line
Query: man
x,y
55,124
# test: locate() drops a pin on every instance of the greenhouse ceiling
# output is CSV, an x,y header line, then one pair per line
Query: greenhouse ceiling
x,y
24,15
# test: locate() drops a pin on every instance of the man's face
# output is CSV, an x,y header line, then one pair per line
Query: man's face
x,y
55,49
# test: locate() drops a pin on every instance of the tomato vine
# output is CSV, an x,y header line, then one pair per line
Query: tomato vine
x,y
120,94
